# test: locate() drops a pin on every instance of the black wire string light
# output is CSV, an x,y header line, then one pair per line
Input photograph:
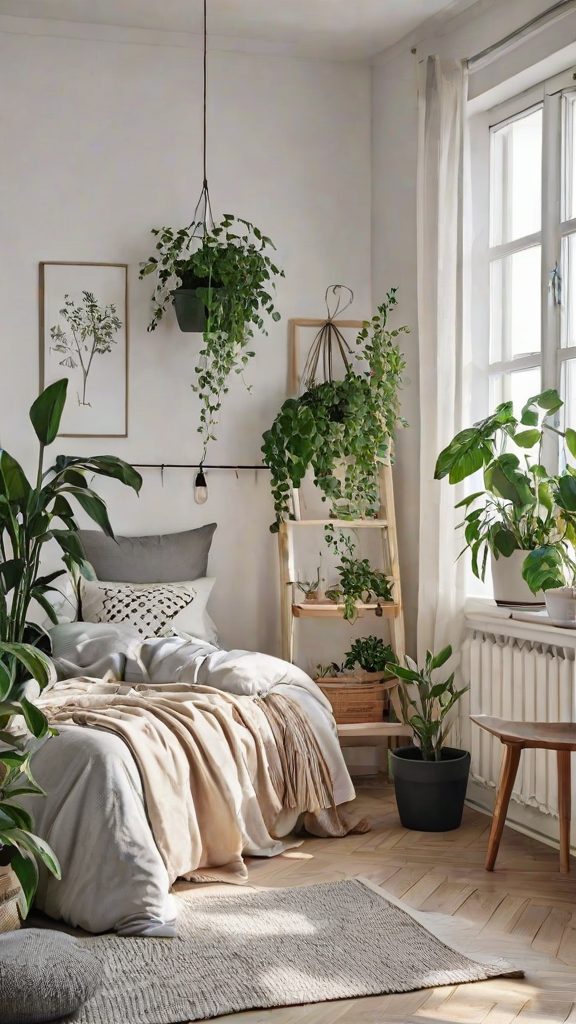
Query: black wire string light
x,y
329,341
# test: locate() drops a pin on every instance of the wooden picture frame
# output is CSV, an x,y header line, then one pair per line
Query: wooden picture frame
x,y
98,400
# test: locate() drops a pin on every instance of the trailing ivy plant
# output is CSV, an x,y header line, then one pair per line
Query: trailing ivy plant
x,y
31,514
342,429
233,273
360,582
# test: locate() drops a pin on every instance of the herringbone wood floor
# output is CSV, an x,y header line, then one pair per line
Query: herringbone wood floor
x,y
524,911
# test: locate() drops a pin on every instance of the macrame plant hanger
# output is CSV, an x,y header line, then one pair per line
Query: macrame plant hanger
x,y
329,340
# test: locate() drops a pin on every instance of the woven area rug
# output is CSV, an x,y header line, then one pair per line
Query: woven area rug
x,y
274,947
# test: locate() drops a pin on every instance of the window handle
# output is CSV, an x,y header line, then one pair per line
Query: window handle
x,y
556,285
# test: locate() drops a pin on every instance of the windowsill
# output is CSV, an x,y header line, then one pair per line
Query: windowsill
x,y
484,614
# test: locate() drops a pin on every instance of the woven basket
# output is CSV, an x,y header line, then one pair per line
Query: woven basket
x,y
356,700
9,892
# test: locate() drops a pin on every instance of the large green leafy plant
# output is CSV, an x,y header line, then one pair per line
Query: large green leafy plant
x,y
426,703
31,515
342,429
521,507
232,272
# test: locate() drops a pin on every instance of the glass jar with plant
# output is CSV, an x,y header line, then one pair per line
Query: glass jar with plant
x,y
221,279
29,513
516,511
426,702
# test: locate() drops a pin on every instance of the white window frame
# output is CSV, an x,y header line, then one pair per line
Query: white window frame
x,y
548,95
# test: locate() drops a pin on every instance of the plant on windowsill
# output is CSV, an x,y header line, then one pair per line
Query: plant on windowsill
x,y
221,280
518,510
430,778
29,513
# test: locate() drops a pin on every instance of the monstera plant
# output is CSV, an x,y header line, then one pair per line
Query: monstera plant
x,y
31,515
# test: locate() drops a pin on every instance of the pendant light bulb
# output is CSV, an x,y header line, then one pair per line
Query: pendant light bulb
x,y
200,488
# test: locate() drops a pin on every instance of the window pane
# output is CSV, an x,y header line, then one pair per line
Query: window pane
x,y
515,305
569,291
516,172
517,386
569,204
568,413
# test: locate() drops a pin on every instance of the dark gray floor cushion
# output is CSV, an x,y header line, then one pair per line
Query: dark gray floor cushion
x,y
44,975
167,558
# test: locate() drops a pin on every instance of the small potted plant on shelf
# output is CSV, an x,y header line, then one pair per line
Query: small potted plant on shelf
x,y
430,778
552,568
310,589
372,656
516,512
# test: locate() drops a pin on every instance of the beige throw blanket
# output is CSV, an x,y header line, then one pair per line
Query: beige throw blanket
x,y
217,769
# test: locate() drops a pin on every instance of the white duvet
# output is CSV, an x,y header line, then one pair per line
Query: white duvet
x,y
94,814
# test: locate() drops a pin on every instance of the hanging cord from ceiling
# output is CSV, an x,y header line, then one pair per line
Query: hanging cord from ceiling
x,y
329,340
203,212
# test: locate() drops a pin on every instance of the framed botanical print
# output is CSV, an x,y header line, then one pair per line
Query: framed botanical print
x,y
84,337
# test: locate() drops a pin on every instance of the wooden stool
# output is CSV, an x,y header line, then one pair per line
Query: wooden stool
x,y
516,736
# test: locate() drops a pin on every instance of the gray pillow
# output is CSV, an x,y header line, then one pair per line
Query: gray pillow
x,y
44,975
168,558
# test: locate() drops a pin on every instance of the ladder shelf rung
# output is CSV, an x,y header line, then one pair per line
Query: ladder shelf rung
x,y
351,524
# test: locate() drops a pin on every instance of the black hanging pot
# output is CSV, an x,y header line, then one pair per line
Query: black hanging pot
x,y
430,794
190,310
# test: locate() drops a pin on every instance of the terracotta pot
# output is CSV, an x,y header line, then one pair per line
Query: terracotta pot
x,y
510,589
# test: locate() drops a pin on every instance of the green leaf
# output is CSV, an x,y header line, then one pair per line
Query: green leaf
x,y
13,814
94,507
505,541
527,438
571,441
33,660
13,482
529,417
549,400
566,492
26,870
440,659
109,465
70,543
11,571
46,412
35,720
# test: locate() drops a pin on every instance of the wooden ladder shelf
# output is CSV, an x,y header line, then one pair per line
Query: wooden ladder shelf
x,y
292,610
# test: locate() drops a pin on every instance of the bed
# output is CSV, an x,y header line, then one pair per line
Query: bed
x,y
95,814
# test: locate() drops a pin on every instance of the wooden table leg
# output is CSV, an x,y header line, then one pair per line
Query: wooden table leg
x,y
564,808
510,761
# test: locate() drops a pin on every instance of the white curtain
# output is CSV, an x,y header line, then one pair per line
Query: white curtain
x,y
442,356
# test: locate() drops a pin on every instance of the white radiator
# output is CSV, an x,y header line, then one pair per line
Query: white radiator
x,y
523,681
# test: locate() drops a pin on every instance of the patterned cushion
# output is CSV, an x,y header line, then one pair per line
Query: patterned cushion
x,y
149,608
44,975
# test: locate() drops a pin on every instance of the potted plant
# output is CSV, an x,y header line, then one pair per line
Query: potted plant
x,y
31,514
343,430
372,656
221,281
515,511
430,778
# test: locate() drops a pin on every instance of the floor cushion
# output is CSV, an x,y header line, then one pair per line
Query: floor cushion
x,y
44,975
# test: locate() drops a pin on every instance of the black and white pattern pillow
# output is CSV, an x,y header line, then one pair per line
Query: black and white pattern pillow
x,y
149,608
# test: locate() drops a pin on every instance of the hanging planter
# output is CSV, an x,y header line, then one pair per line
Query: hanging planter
x,y
220,279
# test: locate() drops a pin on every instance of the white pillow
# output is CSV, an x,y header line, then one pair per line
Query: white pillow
x,y
153,609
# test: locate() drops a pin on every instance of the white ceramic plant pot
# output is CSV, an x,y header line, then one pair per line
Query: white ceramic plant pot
x,y
510,589
561,606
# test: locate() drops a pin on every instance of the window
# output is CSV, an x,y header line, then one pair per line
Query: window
x,y
523,171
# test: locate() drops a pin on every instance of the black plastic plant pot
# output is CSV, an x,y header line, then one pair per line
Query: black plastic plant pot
x,y
430,794
190,311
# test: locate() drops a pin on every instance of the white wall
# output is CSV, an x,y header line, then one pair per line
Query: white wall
x,y
100,141
394,171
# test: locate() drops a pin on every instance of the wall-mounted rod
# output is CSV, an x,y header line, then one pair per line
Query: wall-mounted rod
x,y
190,465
